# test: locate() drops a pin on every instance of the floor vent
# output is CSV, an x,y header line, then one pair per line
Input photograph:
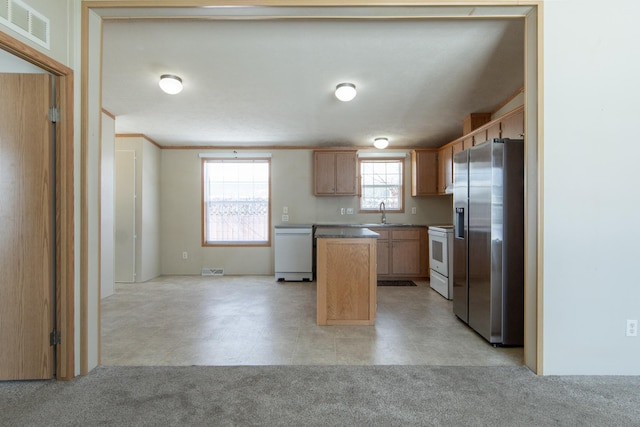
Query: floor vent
x,y
26,21
213,271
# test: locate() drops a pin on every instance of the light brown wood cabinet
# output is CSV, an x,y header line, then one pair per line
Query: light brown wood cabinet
x,y
346,281
473,121
445,168
512,126
458,147
424,172
335,173
493,131
383,251
402,252
468,142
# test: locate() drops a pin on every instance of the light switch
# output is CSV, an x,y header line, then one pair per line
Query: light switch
x,y
285,210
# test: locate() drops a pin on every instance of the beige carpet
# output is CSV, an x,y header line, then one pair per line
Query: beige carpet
x,y
321,396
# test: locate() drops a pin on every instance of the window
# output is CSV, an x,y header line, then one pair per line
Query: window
x,y
236,201
381,181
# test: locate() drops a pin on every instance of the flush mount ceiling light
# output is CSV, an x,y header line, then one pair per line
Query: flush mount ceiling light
x,y
381,143
345,91
170,84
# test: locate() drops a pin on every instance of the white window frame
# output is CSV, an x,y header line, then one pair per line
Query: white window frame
x,y
390,201
233,233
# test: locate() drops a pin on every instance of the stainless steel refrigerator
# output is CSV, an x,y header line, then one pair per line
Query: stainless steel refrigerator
x,y
488,247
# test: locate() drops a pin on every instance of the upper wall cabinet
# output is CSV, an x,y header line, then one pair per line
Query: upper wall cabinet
x,y
445,168
493,131
335,173
424,172
512,125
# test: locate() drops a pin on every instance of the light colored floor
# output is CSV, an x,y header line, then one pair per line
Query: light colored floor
x,y
255,320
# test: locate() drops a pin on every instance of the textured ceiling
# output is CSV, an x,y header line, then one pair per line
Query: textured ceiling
x,y
270,82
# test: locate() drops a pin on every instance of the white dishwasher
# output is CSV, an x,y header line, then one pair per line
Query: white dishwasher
x,y
294,252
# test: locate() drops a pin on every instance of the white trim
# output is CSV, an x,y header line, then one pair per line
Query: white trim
x,y
234,155
382,154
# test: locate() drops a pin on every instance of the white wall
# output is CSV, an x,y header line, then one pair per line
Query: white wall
x,y
591,193
291,186
107,212
91,189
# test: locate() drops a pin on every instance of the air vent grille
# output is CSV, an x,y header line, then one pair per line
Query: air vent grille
x,y
208,271
26,21
4,11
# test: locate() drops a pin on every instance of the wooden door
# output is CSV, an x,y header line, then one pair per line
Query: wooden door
x,y
445,169
513,126
468,142
26,234
345,173
493,131
324,173
406,257
405,252
424,172
382,249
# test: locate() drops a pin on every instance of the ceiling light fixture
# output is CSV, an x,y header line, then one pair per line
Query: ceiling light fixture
x,y
345,91
381,143
170,84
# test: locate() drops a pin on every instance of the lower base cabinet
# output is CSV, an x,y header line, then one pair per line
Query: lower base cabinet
x,y
403,252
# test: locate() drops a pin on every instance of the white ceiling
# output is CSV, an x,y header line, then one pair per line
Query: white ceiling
x,y
269,82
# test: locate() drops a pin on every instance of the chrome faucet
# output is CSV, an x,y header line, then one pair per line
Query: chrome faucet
x,y
384,215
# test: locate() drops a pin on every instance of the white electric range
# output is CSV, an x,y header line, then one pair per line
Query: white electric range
x,y
441,259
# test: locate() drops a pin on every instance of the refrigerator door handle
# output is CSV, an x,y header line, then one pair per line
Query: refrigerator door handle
x,y
459,225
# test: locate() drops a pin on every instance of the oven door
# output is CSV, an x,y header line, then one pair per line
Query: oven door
x,y
438,252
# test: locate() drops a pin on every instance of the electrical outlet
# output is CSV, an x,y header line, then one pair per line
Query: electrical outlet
x,y
349,211
413,210
285,210
185,255
632,328
285,218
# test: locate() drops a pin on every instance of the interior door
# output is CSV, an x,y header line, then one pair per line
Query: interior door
x,y
125,243
26,231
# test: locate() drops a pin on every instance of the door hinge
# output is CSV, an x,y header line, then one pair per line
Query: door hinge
x,y
54,114
54,338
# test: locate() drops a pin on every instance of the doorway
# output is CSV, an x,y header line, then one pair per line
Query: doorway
x,y
533,309
38,233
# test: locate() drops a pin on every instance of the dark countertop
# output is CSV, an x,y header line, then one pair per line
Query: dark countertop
x,y
372,225
332,232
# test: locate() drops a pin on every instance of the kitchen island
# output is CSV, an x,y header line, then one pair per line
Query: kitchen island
x,y
346,276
